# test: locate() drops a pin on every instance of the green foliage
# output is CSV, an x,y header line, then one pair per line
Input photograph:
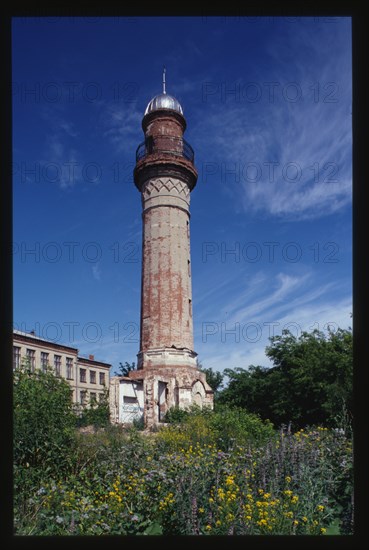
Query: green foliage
x,y
43,420
176,415
235,425
310,383
97,414
223,427
130,484
43,429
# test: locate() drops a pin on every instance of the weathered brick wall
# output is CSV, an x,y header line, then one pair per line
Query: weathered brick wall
x,y
166,271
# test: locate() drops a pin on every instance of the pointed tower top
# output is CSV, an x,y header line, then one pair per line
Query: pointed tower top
x,y
164,100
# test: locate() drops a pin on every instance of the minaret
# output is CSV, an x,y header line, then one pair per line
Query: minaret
x,y
165,175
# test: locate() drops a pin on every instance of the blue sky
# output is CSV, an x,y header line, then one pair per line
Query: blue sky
x,y
268,108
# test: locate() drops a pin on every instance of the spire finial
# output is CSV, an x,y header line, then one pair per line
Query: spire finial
x,y
164,71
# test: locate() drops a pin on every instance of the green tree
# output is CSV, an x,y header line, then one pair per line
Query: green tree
x,y
43,418
310,382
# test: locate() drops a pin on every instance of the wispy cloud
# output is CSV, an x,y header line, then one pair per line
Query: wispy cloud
x,y
121,125
221,350
96,271
62,164
292,159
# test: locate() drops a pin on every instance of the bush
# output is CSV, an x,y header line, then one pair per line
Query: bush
x,y
97,414
43,430
43,420
224,427
236,425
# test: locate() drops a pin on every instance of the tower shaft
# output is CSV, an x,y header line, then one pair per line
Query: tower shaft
x,y
166,302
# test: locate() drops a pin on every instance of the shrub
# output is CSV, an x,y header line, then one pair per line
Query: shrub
x,y
97,414
236,425
225,426
43,430
43,420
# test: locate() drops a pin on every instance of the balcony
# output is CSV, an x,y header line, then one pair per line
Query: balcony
x,y
165,145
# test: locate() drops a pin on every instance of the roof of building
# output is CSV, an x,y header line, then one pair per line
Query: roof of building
x,y
29,336
93,362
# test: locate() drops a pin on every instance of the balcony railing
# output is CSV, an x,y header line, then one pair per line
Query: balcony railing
x,y
166,145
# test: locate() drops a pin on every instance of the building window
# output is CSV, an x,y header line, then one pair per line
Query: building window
x,y
189,268
57,364
93,397
83,397
44,360
102,378
190,307
69,368
82,375
101,397
92,377
16,357
31,358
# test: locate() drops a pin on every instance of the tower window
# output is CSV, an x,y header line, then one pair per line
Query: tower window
x,y
190,307
189,268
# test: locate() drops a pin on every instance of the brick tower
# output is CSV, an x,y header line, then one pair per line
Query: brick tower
x,y
165,175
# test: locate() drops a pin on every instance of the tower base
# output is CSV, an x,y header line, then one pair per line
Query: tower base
x,y
150,392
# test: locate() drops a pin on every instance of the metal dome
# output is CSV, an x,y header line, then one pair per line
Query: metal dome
x,y
164,101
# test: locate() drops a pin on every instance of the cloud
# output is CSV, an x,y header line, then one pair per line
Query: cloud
x,y
62,165
287,154
121,125
96,271
233,349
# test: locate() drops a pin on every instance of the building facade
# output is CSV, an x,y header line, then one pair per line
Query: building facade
x,y
87,377
167,373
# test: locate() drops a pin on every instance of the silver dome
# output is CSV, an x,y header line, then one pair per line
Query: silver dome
x,y
164,101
